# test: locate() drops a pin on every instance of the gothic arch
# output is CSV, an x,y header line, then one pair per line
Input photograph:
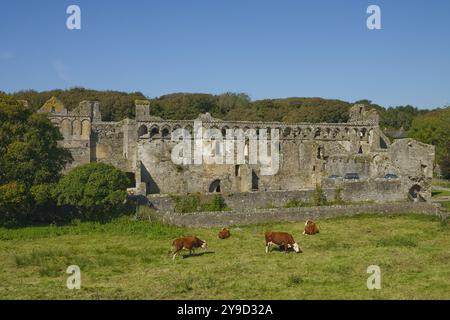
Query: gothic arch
x,y
143,130
66,128
165,132
154,132
85,129
76,127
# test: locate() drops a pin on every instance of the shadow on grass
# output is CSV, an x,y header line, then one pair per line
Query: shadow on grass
x,y
197,254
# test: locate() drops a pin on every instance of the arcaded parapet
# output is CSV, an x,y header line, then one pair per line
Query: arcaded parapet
x,y
310,154
75,126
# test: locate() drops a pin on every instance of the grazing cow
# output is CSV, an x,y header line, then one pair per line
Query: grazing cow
x,y
225,233
187,243
310,228
282,239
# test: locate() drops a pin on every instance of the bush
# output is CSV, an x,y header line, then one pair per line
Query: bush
x,y
194,203
338,197
319,196
294,203
93,189
15,203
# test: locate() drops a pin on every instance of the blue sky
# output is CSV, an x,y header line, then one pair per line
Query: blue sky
x,y
268,49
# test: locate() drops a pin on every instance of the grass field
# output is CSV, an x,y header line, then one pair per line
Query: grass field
x,y
126,259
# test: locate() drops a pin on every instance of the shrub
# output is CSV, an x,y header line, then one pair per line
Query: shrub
x,y
217,204
194,203
294,203
319,196
91,189
338,197
14,202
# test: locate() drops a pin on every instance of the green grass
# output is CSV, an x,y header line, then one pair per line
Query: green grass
x,y
128,259
441,183
440,193
445,205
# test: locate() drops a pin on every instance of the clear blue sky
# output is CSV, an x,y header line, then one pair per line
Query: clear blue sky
x,y
265,48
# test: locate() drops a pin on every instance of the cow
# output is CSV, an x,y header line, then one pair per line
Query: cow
x,y
282,239
187,243
310,228
224,233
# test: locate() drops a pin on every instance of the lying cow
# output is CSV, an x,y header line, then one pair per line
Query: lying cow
x,y
187,243
224,233
310,228
282,239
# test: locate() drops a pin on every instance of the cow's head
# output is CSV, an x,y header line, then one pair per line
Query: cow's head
x,y
297,248
204,244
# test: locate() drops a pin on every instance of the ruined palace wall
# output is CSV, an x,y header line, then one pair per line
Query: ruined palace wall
x,y
107,145
305,149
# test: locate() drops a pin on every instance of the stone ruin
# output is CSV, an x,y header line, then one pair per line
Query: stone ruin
x,y
311,154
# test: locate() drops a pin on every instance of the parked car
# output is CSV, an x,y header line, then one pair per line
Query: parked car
x,y
351,176
390,176
334,177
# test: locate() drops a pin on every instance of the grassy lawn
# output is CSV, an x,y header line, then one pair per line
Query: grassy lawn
x,y
125,259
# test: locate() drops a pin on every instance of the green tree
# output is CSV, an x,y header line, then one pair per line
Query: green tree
x,y
91,189
434,128
29,155
15,202
445,164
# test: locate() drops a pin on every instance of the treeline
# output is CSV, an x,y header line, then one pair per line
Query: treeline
x,y
116,106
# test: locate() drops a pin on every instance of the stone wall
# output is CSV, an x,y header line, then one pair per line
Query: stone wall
x,y
309,154
377,191
238,218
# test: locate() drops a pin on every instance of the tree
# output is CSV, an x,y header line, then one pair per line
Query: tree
x,y
29,155
94,188
15,202
445,164
434,128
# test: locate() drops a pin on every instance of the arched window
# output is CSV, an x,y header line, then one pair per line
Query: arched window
x,y
143,130
166,133
154,132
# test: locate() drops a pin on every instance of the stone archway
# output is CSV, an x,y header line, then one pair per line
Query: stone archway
x,y
143,130
414,193
214,186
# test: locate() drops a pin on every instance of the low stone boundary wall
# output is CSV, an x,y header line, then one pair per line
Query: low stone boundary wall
x,y
234,218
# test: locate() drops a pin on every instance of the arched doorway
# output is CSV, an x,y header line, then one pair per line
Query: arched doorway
x,y
414,193
214,186
255,181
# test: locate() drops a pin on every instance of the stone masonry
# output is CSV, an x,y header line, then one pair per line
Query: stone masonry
x,y
311,154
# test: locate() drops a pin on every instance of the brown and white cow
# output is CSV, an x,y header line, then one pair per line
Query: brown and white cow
x,y
224,233
310,228
187,243
282,239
